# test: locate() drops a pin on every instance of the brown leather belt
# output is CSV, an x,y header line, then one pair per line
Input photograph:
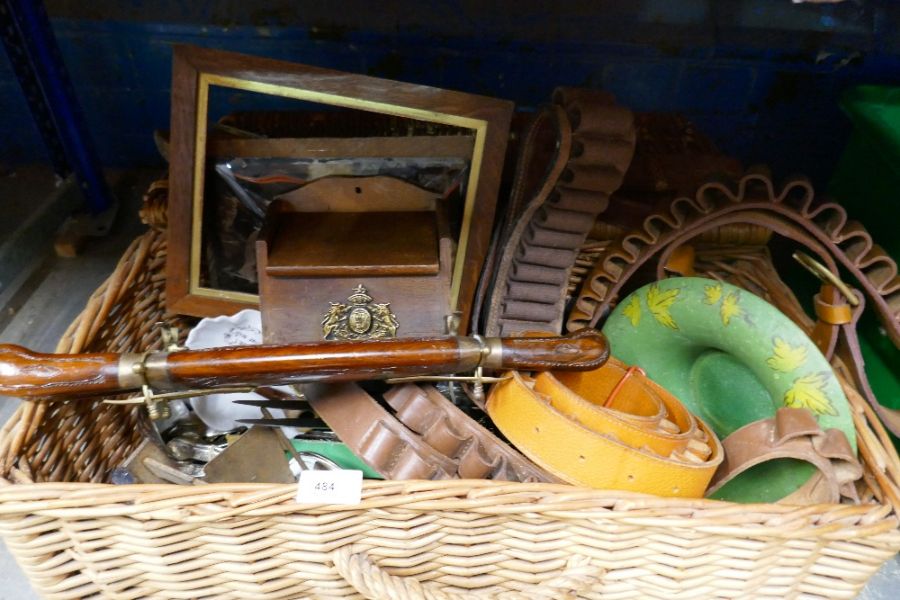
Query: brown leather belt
x,y
588,142
823,228
835,335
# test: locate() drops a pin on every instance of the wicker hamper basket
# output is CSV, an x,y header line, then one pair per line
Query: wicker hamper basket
x,y
76,537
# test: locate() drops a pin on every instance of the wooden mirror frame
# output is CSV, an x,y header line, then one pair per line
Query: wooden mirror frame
x,y
195,69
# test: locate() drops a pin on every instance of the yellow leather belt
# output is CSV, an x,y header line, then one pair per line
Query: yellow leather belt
x,y
611,428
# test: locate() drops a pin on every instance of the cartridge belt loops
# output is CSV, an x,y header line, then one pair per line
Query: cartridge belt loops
x,y
549,217
425,437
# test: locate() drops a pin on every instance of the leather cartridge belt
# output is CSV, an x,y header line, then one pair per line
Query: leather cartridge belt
x,y
574,156
424,437
610,428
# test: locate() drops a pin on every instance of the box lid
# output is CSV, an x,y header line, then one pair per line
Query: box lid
x,y
346,244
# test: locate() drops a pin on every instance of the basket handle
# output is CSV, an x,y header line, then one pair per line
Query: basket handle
x,y
374,583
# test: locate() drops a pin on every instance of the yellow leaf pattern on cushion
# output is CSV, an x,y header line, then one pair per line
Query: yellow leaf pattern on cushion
x,y
712,293
785,358
808,392
659,302
632,310
730,308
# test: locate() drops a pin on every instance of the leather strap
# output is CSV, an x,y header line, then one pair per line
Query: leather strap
x,y
821,228
552,209
832,311
639,438
427,438
849,353
794,433
754,196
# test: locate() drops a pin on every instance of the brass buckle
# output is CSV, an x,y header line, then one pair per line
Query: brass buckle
x,y
825,276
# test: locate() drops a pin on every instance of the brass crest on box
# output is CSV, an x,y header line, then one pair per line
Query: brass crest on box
x,y
360,319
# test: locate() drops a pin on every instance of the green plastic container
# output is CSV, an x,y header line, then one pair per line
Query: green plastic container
x,y
867,184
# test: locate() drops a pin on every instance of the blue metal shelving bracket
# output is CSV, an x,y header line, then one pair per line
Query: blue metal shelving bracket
x,y
37,62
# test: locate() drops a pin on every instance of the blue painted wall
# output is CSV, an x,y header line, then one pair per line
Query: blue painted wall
x,y
762,77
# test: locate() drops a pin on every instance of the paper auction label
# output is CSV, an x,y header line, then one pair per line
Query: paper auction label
x,y
330,487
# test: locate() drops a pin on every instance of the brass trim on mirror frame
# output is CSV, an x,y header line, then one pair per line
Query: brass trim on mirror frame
x,y
206,80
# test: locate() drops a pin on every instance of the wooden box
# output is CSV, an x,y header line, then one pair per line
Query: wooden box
x,y
370,259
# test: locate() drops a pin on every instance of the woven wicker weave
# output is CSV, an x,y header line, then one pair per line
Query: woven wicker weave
x,y
440,540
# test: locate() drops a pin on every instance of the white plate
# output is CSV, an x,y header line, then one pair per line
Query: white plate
x,y
241,329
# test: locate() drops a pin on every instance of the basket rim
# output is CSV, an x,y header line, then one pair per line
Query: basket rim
x,y
210,502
